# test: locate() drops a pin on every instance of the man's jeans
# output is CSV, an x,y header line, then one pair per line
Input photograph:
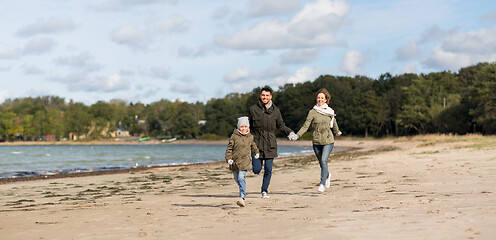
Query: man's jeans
x,y
257,168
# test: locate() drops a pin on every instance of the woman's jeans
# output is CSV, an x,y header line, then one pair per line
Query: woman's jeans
x,y
239,178
257,168
322,152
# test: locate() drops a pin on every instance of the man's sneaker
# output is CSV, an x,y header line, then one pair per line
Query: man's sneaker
x,y
321,188
328,181
241,202
265,195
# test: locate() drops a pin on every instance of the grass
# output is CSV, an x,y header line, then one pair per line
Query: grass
x,y
474,140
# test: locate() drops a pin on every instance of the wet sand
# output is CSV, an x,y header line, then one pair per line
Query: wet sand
x,y
427,187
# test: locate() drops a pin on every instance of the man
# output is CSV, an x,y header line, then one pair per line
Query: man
x,y
265,118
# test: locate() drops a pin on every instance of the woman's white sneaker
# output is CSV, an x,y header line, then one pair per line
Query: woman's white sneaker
x,y
328,181
321,188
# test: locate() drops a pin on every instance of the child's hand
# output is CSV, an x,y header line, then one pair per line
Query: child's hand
x,y
230,161
257,156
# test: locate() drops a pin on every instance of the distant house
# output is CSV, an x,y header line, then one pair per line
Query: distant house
x,y
49,137
202,122
122,133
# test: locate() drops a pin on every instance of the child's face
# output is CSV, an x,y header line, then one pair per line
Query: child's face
x,y
243,129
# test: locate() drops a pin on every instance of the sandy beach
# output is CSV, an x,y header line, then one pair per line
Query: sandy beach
x,y
425,187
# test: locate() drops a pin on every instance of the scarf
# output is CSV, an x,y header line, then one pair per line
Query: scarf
x,y
243,133
268,105
326,111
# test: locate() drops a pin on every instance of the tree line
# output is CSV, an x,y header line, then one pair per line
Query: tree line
x,y
406,104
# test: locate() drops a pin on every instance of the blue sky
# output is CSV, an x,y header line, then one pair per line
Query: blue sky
x,y
147,50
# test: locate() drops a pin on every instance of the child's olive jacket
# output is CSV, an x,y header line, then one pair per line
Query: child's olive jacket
x,y
322,134
238,149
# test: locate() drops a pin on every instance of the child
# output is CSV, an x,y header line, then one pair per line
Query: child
x,y
238,155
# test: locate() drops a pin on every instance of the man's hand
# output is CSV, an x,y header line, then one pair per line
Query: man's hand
x,y
292,136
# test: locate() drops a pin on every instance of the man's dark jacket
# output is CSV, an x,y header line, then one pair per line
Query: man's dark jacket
x,y
263,125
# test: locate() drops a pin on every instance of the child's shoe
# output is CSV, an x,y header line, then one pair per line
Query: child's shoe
x,y
241,202
321,188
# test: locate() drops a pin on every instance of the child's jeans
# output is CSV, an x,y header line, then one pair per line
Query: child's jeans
x,y
239,178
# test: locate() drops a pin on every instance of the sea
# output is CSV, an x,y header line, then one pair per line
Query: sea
x,y
25,161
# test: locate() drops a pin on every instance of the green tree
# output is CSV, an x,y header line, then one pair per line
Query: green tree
x,y
186,123
77,119
9,125
415,110
481,85
221,116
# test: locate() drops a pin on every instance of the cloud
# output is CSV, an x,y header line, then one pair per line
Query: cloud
x,y
80,81
38,91
184,87
300,56
200,51
32,70
300,75
463,49
120,5
315,25
408,52
38,46
490,16
354,62
140,39
112,83
409,68
175,24
238,75
243,79
434,33
48,26
220,13
83,61
130,36
4,95
160,72
272,7
6,53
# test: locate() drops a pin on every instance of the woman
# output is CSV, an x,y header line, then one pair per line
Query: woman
x,y
322,119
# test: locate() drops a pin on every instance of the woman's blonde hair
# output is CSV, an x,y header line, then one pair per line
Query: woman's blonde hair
x,y
326,94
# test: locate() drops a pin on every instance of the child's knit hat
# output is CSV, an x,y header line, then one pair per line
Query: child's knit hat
x,y
243,121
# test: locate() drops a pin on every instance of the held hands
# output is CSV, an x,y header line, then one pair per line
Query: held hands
x,y
230,162
292,136
339,134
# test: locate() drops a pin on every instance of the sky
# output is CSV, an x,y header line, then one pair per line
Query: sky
x,y
196,50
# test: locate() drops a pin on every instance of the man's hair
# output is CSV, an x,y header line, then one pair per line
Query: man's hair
x,y
267,89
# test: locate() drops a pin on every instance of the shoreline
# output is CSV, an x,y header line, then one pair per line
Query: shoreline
x,y
6,180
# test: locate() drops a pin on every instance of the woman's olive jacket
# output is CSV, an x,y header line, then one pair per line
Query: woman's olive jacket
x,y
322,132
238,149
263,125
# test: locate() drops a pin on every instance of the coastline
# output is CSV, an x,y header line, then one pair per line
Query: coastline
x,y
427,187
5,180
